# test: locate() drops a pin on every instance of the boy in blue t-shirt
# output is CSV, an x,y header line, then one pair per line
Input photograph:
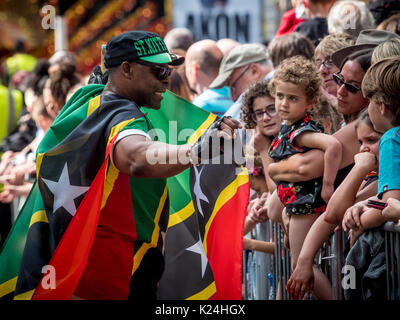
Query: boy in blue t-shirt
x,y
381,85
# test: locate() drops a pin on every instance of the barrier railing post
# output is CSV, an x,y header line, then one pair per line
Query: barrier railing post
x,y
386,261
392,260
397,271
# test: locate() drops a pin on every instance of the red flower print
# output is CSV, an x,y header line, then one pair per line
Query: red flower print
x,y
291,134
275,143
307,118
287,195
320,209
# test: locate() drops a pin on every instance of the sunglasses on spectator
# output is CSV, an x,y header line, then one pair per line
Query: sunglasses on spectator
x,y
349,86
327,63
160,71
258,115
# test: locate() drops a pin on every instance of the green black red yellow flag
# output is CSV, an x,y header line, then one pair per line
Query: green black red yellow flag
x,y
58,222
208,205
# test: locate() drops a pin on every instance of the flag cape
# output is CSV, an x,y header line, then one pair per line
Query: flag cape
x,y
208,205
34,243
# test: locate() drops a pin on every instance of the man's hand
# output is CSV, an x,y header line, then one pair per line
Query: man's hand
x,y
228,127
210,143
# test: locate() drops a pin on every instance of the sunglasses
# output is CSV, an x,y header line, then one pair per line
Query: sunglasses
x,y
349,86
160,71
258,115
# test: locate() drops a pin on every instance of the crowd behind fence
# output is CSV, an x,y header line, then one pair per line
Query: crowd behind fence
x,y
265,275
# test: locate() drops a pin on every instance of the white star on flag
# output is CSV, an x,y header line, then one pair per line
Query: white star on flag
x,y
198,192
64,193
198,248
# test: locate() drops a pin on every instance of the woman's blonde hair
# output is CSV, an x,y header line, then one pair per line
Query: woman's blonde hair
x,y
332,43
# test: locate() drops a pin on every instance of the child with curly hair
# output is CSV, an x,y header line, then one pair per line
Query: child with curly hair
x,y
296,87
360,184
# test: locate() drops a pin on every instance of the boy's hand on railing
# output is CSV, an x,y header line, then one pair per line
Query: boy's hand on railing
x,y
392,211
351,219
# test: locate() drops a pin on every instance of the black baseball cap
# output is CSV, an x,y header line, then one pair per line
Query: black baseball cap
x,y
133,45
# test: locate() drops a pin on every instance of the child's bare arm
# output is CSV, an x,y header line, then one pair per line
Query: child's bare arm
x,y
298,167
332,157
346,194
303,276
258,245
370,218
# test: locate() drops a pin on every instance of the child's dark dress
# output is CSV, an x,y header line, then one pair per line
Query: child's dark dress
x,y
298,197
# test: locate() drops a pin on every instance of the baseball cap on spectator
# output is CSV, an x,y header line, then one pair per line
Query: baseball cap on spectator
x,y
367,39
383,9
139,45
239,56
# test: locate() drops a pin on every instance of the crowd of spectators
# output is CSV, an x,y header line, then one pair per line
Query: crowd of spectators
x,y
320,110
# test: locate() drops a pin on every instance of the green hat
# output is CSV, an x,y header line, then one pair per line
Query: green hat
x,y
239,56
133,45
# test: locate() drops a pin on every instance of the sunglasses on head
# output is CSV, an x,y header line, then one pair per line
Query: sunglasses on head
x,y
162,72
349,86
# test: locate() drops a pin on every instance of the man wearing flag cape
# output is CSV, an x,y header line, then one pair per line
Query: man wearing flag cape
x,y
100,202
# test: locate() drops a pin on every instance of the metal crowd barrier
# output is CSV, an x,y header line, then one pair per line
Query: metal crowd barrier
x,y
257,265
392,256
256,283
330,260
281,266
265,275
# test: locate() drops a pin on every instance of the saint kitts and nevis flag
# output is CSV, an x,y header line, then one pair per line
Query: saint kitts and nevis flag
x,y
203,246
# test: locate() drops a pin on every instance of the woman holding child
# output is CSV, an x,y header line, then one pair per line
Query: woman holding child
x,y
353,64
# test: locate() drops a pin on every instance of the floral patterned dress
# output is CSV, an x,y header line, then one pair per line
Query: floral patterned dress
x,y
298,197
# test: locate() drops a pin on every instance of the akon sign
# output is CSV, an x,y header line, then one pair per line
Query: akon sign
x,y
240,20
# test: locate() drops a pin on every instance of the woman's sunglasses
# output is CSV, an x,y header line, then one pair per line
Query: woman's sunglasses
x,y
349,86
160,71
